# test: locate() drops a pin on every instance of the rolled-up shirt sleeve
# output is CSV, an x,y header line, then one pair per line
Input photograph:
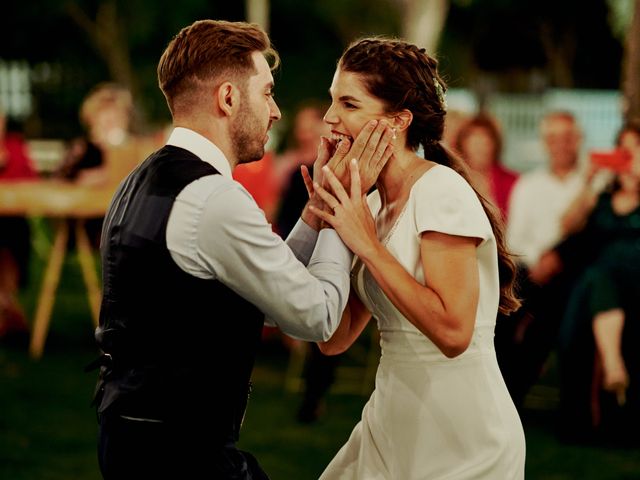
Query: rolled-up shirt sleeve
x,y
302,240
225,236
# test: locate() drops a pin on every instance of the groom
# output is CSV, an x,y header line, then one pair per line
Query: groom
x,y
191,267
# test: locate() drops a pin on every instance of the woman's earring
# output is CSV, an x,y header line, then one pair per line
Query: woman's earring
x,y
394,134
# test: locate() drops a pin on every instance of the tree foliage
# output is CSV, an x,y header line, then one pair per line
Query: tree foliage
x,y
567,43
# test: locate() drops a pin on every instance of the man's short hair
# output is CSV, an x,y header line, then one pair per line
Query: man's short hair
x,y
204,52
564,115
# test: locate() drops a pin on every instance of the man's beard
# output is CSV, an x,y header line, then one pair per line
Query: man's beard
x,y
247,139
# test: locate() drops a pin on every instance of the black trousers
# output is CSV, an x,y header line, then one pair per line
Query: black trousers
x,y
525,339
319,374
134,449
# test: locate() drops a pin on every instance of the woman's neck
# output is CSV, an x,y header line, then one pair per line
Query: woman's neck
x,y
399,175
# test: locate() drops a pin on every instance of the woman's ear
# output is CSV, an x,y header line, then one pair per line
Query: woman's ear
x,y
227,98
401,121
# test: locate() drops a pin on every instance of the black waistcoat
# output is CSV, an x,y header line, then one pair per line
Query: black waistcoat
x,y
181,348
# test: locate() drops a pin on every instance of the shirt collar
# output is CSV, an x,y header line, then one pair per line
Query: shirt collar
x,y
201,147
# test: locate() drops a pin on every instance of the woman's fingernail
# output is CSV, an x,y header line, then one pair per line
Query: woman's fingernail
x,y
373,123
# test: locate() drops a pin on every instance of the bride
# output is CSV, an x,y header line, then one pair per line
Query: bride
x,y
432,268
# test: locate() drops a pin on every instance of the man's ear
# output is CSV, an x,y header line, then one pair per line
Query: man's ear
x,y
227,98
401,121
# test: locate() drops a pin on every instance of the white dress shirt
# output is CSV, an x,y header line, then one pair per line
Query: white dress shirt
x,y
217,231
538,201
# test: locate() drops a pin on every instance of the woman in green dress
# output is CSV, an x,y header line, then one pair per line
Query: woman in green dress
x,y
609,223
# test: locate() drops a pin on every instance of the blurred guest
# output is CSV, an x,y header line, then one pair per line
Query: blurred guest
x,y
301,149
261,181
605,229
452,123
479,142
105,114
540,198
538,202
15,163
15,235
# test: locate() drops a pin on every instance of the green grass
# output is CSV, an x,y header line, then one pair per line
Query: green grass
x,y
48,431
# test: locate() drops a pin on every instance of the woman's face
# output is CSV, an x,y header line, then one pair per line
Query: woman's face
x,y
630,141
478,149
351,106
309,127
630,180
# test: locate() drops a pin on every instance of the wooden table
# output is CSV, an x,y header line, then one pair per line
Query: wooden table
x,y
61,202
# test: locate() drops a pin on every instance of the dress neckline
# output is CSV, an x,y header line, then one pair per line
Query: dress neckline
x,y
385,239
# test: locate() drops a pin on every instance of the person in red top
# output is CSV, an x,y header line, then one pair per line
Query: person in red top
x,y
15,244
15,163
261,181
479,142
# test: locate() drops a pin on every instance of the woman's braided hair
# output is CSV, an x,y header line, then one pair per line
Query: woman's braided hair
x,y
403,76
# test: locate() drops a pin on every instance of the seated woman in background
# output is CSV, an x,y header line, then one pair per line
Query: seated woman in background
x,y
607,220
479,142
105,114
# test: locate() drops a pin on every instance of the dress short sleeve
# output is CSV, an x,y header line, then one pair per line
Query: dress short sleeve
x,y
444,202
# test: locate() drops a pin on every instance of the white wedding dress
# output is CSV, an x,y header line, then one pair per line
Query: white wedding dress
x,y
432,417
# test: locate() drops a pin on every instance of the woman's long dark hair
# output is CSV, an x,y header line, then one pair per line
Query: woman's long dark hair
x,y
403,76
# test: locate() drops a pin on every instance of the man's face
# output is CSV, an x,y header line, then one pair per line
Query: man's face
x,y
562,141
257,112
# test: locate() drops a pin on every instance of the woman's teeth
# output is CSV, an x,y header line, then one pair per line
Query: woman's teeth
x,y
339,137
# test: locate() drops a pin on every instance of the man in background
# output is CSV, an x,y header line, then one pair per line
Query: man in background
x,y
538,201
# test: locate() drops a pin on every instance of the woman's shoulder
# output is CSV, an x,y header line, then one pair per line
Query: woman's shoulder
x,y
441,179
443,187
444,201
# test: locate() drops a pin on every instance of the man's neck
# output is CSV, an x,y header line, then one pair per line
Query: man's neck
x,y
562,172
215,133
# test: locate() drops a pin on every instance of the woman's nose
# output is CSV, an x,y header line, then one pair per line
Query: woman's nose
x,y
330,117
